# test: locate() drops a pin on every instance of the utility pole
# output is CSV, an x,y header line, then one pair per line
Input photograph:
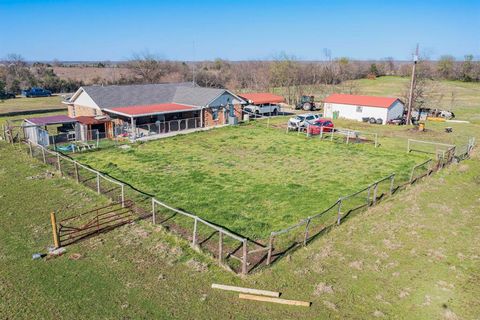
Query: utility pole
x,y
193,62
412,85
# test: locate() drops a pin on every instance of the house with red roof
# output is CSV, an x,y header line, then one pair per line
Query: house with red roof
x,y
147,109
357,107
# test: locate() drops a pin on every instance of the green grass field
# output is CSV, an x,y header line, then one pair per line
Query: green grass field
x,y
250,178
414,256
31,104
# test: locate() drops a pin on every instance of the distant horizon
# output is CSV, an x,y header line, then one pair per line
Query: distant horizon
x,y
186,30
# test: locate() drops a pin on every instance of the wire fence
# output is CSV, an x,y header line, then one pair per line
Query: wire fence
x,y
339,135
232,250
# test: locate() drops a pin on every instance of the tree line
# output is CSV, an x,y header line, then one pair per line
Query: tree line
x,y
286,72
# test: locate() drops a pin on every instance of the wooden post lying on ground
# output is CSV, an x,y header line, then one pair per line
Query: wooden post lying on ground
x,y
53,220
246,290
244,257
274,300
270,249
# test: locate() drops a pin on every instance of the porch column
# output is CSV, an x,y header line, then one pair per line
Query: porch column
x,y
134,128
201,117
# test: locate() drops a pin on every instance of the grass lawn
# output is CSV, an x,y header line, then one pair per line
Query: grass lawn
x,y
250,178
31,104
415,256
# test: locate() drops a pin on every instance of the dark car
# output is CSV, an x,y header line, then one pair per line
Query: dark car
x,y
7,95
320,125
36,92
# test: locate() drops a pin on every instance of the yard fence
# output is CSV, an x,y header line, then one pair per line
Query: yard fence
x,y
342,135
232,250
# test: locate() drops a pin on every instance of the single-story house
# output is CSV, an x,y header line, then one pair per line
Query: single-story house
x,y
357,107
157,107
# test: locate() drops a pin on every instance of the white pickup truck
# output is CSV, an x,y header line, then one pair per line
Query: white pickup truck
x,y
301,120
267,108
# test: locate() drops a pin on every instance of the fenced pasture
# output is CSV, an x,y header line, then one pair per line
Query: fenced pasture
x,y
250,178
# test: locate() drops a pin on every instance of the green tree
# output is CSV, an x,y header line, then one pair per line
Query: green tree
x,y
445,66
467,69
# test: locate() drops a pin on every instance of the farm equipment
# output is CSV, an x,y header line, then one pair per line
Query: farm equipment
x,y
306,103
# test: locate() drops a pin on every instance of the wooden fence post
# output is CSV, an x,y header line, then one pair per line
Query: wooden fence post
x,y
348,136
332,131
339,214
270,250
220,247
392,178
305,238
43,156
375,193
53,220
244,257
376,140
154,218
98,182
408,146
194,240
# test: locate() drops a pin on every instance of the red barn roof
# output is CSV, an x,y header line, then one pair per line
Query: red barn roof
x,y
262,97
136,111
370,101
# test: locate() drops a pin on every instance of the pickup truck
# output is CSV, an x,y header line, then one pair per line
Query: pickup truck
x,y
36,92
267,108
301,120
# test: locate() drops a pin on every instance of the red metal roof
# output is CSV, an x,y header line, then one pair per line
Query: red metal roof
x,y
371,101
151,109
262,97
91,120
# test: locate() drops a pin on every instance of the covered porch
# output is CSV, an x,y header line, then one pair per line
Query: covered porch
x,y
136,122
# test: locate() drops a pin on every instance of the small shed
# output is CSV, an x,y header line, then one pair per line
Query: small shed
x,y
36,129
357,107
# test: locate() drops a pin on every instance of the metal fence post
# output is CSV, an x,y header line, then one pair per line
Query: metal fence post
x,y
30,148
244,257
43,155
59,165
332,132
368,195
321,132
194,240
339,214
98,182
306,231
154,218
75,168
220,246
123,195
408,146
392,178
375,193
348,136
376,140
270,250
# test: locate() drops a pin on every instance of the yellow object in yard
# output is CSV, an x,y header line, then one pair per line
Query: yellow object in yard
x,y
421,126
436,119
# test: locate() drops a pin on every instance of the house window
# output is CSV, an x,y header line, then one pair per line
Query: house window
x,y
359,109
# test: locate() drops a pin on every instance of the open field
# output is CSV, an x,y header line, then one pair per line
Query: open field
x,y
250,178
20,104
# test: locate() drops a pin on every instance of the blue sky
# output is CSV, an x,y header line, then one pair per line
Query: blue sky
x,y
237,30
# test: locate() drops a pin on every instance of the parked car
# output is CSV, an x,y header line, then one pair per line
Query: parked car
x,y
300,120
7,95
36,92
320,125
267,108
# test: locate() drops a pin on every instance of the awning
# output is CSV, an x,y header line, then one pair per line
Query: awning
x,y
50,120
93,120
150,110
262,97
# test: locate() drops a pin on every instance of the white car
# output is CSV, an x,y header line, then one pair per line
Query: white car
x,y
267,108
299,121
